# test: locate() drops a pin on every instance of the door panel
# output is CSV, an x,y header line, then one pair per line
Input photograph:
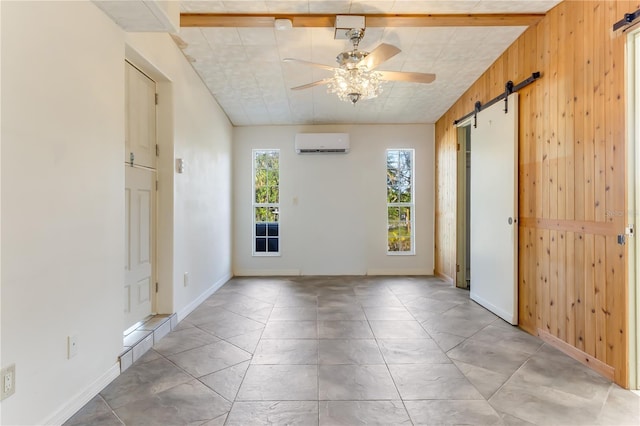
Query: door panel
x,y
140,244
140,118
494,209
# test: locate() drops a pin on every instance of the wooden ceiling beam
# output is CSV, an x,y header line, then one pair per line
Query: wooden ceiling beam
x,y
387,20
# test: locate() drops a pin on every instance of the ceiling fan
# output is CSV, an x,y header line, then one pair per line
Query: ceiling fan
x,y
356,77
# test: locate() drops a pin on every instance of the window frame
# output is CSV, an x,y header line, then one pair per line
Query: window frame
x,y
411,205
255,205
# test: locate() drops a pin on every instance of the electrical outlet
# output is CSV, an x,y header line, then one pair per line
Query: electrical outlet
x,y
186,279
8,381
72,346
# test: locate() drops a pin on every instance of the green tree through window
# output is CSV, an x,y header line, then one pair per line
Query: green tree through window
x,y
400,201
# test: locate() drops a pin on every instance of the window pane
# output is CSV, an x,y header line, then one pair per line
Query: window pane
x,y
273,177
261,244
273,244
393,214
261,194
261,214
261,229
274,194
273,229
392,158
272,214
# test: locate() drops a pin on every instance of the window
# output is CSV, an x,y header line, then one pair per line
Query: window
x,y
400,201
266,202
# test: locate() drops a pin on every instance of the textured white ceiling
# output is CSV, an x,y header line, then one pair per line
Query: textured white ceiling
x,y
243,68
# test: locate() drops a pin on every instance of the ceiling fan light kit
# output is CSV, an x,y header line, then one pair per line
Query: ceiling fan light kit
x,y
355,78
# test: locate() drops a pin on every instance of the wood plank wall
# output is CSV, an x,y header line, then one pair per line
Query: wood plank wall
x,y
572,283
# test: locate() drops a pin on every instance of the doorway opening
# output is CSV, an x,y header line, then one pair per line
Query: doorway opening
x,y
633,203
463,243
140,197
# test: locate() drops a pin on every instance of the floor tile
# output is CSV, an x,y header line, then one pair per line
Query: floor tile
x,y
302,413
398,330
432,381
183,404
287,301
356,383
386,300
350,413
286,351
621,408
508,337
95,412
544,405
344,330
218,421
337,300
453,325
183,340
291,330
490,357
231,324
446,341
388,313
486,381
280,382
207,359
452,412
412,351
246,342
226,382
143,380
349,351
351,313
294,314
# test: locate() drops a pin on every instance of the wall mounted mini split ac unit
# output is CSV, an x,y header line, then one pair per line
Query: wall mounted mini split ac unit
x,y
322,143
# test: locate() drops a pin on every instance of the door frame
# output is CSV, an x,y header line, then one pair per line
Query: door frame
x,y
462,205
164,297
633,202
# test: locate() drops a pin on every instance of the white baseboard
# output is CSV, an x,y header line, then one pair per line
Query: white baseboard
x,y
65,412
182,313
401,272
267,272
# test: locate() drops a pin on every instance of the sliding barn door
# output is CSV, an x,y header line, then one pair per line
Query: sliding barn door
x,y
494,209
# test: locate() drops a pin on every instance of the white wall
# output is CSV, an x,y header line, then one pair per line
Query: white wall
x,y
338,224
62,198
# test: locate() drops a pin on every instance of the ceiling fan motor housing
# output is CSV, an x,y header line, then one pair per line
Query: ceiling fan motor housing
x,y
349,60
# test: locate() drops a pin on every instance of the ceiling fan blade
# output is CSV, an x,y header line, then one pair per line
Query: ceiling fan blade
x,y
378,55
315,83
412,77
312,64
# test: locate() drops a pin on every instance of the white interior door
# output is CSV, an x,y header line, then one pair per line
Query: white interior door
x,y
140,118
494,210
139,250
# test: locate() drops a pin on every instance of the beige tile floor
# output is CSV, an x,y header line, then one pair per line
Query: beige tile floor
x,y
349,351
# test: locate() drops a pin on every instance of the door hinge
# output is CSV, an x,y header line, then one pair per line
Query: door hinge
x,y
156,99
458,147
156,185
457,268
156,287
157,150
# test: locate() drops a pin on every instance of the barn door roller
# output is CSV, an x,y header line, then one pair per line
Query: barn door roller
x,y
509,89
